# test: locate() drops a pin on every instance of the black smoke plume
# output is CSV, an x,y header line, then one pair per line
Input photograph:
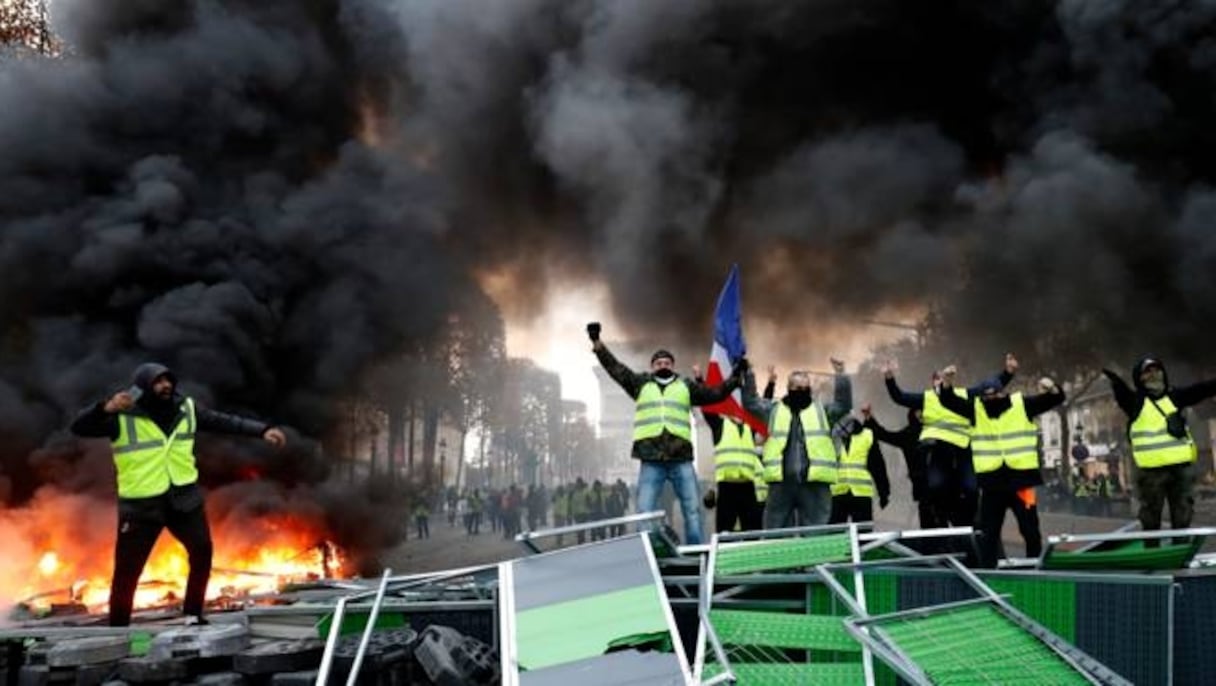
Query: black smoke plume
x,y
272,196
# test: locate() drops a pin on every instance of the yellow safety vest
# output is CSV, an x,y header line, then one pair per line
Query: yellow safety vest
x,y
1152,444
735,453
580,502
147,461
662,408
943,425
854,477
820,450
1011,439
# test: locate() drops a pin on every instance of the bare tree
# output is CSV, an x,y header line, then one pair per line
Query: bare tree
x,y
25,25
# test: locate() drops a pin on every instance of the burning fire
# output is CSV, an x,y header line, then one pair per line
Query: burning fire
x,y
60,550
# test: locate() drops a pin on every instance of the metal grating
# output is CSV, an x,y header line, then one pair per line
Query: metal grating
x,y
782,630
760,674
781,554
1127,627
1195,625
977,645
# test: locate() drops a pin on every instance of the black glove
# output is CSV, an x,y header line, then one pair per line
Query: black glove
x,y
710,499
882,502
593,332
742,365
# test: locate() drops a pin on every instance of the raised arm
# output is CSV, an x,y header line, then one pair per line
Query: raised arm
x,y
1193,394
224,423
1127,399
913,401
628,379
842,400
1051,397
703,394
960,406
1001,379
761,407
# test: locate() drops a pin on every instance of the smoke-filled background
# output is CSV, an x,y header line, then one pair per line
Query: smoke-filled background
x,y
282,198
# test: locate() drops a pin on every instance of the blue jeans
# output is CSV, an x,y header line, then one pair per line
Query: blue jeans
x,y
683,479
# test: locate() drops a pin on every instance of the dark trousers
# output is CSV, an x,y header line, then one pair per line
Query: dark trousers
x,y
736,503
139,525
1174,484
848,507
797,504
950,487
424,526
993,504
925,514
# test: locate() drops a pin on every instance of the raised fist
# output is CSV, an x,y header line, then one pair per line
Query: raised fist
x,y
119,402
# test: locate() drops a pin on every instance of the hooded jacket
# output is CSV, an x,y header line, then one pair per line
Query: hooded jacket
x,y
95,422
1131,400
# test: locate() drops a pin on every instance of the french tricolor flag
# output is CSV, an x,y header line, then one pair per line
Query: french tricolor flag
x,y
728,347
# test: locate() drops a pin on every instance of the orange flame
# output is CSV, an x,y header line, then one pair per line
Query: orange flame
x,y
60,549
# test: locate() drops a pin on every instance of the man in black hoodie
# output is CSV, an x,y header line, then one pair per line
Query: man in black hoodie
x,y
1162,446
1005,454
151,428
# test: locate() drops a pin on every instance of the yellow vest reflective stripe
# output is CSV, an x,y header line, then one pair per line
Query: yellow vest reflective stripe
x,y
1152,444
943,425
854,477
735,453
147,461
820,450
1011,439
663,407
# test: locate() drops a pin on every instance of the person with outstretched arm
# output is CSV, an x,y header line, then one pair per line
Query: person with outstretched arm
x,y
1005,452
662,427
151,429
1162,446
945,438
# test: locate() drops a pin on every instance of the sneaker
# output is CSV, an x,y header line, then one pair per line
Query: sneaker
x,y
196,620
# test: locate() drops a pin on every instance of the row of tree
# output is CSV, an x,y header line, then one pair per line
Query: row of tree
x,y
462,379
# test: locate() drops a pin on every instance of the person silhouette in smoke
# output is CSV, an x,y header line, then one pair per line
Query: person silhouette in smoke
x,y
151,427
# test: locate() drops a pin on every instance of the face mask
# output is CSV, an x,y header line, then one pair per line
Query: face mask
x,y
798,399
665,373
1155,385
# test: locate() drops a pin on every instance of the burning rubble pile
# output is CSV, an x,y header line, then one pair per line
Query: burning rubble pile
x,y
59,556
